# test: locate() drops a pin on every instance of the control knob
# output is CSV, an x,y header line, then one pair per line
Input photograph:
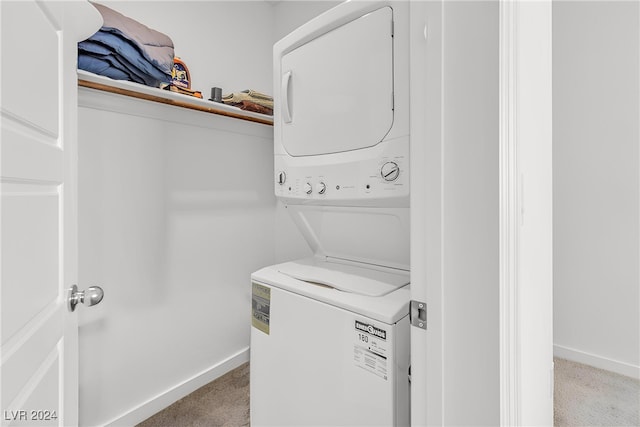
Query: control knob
x,y
281,177
390,171
321,188
307,188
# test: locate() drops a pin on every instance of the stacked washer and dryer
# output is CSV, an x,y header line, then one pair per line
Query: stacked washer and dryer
x,y
330,333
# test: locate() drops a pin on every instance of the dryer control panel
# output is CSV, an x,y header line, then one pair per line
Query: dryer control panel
x,y
376,176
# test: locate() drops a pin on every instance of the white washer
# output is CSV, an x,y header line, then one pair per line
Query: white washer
x,y
325,356
330,333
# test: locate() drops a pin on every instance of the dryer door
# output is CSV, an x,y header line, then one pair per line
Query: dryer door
x,y
337,89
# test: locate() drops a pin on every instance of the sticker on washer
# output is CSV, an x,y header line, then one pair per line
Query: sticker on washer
x,y
260,307
370,349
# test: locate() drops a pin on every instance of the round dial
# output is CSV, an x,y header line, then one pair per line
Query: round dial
x,y
321,188
390,171
281,177
307,188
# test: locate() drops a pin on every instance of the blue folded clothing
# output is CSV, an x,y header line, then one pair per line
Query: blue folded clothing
x,y
119,53
125,49
105,67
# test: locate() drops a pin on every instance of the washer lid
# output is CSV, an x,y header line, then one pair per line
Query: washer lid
x,y
345,277
364,235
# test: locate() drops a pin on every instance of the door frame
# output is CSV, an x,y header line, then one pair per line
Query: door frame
x,y
509,375
426,169
524,101
525,141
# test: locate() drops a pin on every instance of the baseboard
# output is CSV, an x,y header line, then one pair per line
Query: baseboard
x,y
158,403
596,361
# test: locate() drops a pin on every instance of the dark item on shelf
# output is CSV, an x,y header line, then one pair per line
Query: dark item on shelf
x,y
216,94
179,89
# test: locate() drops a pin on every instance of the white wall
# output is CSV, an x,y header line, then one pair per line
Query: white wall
x,y
173,218
596,183
176,210
290,14
227,44
470,299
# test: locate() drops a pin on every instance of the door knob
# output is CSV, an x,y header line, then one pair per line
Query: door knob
x,y
91,296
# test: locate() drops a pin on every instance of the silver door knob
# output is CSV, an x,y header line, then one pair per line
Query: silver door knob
x,y
91,296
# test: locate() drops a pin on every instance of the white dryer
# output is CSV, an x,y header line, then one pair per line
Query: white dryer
x,y
330,333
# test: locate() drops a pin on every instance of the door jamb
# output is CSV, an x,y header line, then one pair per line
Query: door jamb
x,y
508,223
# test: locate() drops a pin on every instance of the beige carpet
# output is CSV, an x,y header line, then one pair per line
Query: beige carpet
x,y
586,396
223,402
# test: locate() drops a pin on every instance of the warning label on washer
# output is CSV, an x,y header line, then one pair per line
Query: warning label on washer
x,y
370,349
260,307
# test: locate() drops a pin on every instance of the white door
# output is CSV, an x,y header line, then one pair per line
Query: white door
x,y
38,106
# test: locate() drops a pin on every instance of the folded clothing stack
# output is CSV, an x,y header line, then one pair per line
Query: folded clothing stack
x,y
125,49
250,100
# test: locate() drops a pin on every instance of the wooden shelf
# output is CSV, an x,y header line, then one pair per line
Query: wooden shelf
x,y
135,90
